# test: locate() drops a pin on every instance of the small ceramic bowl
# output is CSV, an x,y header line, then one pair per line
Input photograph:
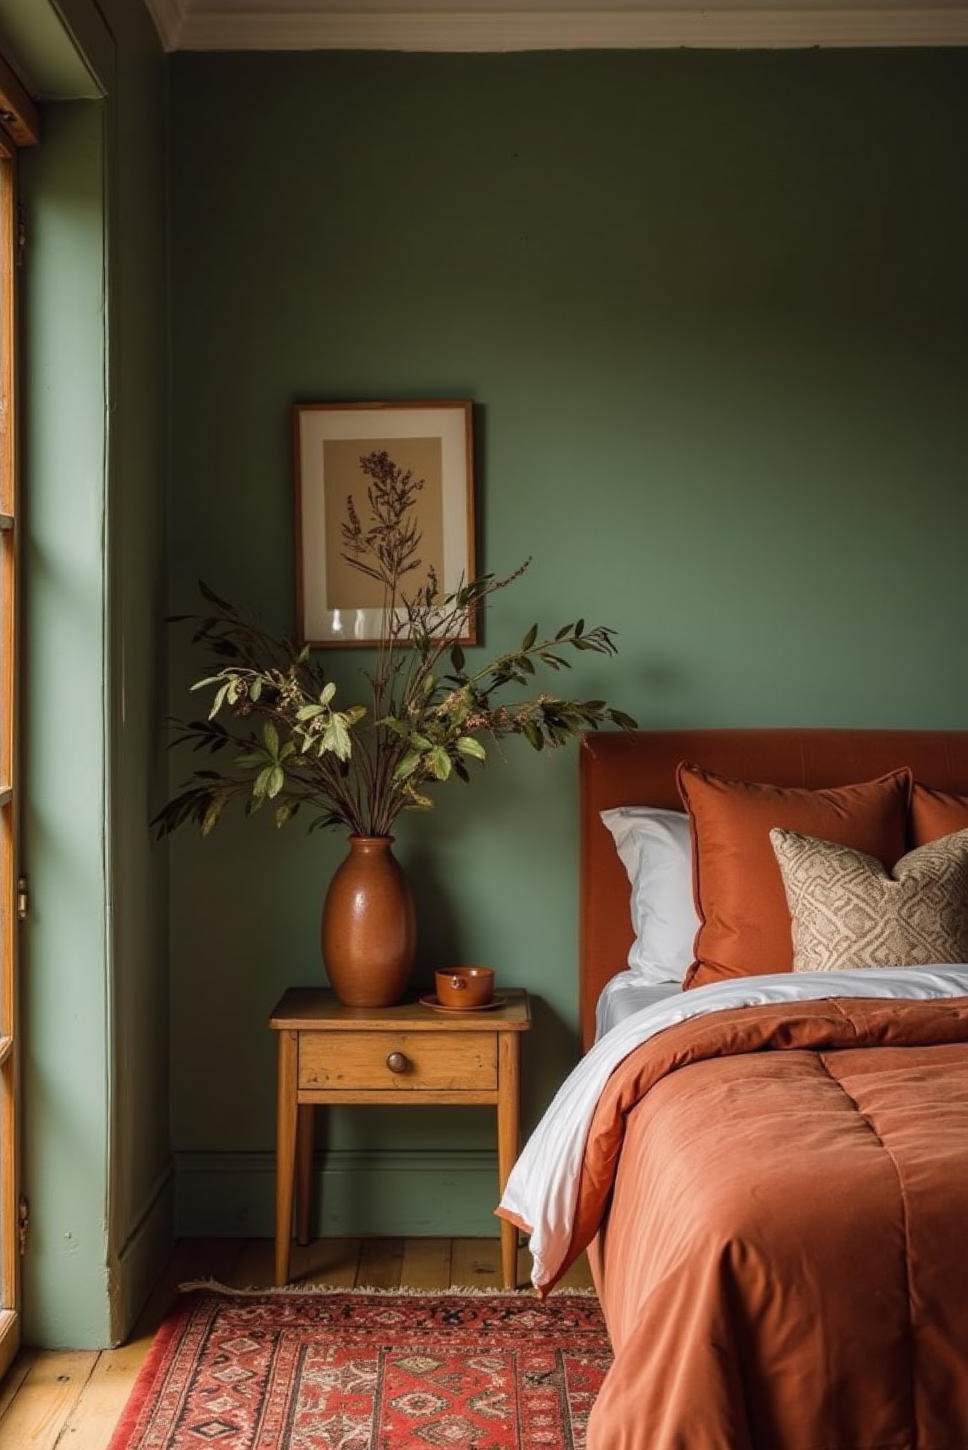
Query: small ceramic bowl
x,y
465,986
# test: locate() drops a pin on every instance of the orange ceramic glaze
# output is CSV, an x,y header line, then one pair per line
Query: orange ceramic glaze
x,y
465,986
369,929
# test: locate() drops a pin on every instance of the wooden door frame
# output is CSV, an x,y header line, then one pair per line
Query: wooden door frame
x,y
18,126
9,774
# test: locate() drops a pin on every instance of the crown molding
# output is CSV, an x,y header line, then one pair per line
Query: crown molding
x,y
169,18
243,28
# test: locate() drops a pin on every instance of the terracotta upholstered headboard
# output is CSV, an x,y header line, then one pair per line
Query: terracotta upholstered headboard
x,y
620,769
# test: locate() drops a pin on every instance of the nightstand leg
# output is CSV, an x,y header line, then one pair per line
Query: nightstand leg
x,y
285,1151
304,1171
507,1145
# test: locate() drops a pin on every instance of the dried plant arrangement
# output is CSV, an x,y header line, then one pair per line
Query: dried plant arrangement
x,y
425,714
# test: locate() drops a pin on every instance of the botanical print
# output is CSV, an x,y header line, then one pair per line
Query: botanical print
x,y
349,483
431,447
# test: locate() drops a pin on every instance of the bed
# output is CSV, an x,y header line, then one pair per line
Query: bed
x,y
771,1176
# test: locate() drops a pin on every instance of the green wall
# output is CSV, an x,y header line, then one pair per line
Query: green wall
x,y
96,1160
712,308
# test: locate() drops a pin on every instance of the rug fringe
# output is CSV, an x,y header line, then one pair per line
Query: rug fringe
x,y
213,1286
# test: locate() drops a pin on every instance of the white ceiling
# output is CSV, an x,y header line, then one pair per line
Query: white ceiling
x,y
479,25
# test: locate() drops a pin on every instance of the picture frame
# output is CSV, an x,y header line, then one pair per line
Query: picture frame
x,y
336,606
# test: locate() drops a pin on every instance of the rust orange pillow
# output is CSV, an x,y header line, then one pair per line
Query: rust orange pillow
x,y
744,920
936,813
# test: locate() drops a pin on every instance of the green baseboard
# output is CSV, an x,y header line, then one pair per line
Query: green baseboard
x,y
142,1256
230,1195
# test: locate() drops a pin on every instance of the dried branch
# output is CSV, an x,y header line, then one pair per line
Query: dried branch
x,y
360,765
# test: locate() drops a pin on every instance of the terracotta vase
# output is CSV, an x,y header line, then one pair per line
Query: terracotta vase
x,y
369,932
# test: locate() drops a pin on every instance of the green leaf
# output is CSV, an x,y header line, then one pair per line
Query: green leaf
x,y
218,702
625,722
309,712
261,783
303,655
255,689
353,714
439,762
580,627
565,629
212,597
200,684
285,811
407,765
467,745
287,750
214,810
336,738
420,742
328,818
530,637
327,692
249,759
277,779
270,735
533,735
457,658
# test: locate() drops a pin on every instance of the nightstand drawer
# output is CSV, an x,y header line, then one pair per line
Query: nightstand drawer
x,y
398,1061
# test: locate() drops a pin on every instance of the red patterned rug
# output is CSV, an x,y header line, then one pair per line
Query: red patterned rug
x,y
361,1370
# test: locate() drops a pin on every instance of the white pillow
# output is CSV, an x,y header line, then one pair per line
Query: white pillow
x,y
656,851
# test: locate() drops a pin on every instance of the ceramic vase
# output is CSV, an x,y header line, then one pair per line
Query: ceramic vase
x,y
369,929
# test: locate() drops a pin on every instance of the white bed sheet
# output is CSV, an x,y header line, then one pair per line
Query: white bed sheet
x,y
542,1190
626,994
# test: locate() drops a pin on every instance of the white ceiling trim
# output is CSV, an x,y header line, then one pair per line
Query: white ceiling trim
x,y
244,29
169,18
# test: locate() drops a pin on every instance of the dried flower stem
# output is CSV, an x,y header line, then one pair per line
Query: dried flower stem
x,y
360,765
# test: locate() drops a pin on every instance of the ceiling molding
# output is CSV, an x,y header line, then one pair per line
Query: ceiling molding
x,y
244,28
169,18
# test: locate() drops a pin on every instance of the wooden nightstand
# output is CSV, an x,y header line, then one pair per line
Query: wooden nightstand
x,y
406,1055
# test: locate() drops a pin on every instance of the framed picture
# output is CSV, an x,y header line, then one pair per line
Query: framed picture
x,y
336,603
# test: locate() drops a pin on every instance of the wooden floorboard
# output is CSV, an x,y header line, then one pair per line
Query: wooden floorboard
x,y
44,1400
254,1267
426,1264
381,1264
72,1400
12,1381
326,1261
476,1264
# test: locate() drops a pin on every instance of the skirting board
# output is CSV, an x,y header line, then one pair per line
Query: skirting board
x,y
143,1255
231,1195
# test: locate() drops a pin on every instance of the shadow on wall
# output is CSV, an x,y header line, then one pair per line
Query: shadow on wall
x,y
551,1036
443,939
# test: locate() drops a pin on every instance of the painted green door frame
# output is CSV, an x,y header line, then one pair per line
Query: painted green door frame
x,y
96,1150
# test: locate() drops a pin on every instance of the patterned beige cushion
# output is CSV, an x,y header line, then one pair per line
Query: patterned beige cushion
x,y
847,910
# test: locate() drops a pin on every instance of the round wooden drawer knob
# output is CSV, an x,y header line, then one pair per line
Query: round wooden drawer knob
x,y
397,1062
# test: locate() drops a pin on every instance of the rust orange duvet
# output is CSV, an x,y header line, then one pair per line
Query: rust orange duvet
x,y
780,1198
